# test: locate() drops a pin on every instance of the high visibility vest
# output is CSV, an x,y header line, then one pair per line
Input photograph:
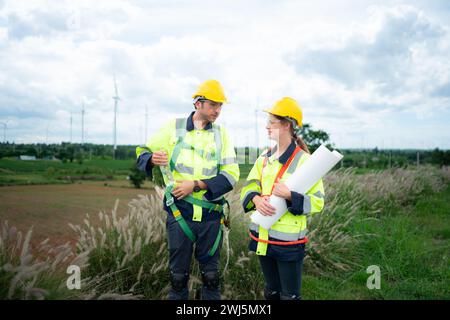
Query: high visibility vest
x,y
289,227
195,155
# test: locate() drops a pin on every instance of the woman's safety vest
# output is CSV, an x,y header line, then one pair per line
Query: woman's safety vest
x,y
290,228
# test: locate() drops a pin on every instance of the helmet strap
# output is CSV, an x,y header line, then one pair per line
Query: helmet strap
x,y
198,98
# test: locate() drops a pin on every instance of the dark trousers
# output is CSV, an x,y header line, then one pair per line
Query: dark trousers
x,y
180,256
283,279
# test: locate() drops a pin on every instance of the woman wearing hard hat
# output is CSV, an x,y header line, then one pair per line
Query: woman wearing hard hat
x,y
281,249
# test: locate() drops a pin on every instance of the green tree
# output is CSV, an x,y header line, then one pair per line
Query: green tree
x,y
79,156
440,157
136,176
314,138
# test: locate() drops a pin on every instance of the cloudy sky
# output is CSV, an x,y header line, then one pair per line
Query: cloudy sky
x,y
370,73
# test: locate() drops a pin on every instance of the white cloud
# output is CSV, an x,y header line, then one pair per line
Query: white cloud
x,y
350,66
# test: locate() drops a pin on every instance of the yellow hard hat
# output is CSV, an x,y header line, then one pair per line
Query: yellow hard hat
x,y
211,90
287,107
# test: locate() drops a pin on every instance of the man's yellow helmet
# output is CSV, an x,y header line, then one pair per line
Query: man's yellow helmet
x,y
287,107
211,90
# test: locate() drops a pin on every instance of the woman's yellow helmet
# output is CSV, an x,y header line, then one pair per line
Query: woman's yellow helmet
x,y
287,107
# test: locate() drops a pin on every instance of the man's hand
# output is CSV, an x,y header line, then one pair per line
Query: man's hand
x,y
159,158
183,188
263,205
281,190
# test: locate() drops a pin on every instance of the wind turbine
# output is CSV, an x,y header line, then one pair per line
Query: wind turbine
x,y
5,126
256,133
116,101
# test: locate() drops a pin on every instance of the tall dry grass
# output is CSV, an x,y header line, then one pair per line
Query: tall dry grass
x,y
24,275
350,196
127,255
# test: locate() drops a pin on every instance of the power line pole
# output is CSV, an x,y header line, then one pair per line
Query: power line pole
x,y
146,121
390,158
71,123
256,133
82,124
116,101
46,135
5,127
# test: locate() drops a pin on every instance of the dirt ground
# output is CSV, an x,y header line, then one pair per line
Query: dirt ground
x,y
49,208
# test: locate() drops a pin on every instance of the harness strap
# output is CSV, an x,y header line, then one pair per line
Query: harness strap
x,y
282,170
185,227
183,224
204,204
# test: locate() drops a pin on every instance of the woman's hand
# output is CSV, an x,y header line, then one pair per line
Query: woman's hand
x,y
281,190
263,205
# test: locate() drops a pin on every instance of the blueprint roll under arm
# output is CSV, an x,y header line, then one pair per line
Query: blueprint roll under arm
x,y
302,180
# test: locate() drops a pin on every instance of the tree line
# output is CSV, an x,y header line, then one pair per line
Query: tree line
x,y
369,158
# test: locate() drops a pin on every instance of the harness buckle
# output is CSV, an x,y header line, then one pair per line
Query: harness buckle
x,y
169,201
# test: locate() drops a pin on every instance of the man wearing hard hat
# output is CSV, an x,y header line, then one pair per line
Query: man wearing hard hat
x,y
202,167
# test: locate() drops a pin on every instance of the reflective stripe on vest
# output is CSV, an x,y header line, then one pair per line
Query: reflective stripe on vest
x,y
277,243
281,235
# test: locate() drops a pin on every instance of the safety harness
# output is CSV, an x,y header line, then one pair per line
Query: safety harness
x,y
277,179
212,207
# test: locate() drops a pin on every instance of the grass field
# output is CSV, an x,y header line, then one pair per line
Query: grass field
x,y
15,172
49,208
412,248
398,220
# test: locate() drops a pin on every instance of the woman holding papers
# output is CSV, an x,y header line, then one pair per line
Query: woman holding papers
x,y
281,248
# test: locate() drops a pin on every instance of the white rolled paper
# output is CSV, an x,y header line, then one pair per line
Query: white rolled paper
x,y
302,180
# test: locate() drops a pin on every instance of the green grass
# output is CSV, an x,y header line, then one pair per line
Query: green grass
x,y
17,172
28,179
245,170
411,246
42,165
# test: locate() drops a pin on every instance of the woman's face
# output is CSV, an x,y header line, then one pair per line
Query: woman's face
x,y
276,128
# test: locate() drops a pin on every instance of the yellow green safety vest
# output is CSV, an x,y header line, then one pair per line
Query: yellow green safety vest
x,y
289,227
195,155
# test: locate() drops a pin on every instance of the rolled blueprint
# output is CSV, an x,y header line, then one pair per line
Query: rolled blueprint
x,y
302,180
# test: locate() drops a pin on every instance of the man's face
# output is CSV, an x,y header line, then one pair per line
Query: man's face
x,y
210,110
